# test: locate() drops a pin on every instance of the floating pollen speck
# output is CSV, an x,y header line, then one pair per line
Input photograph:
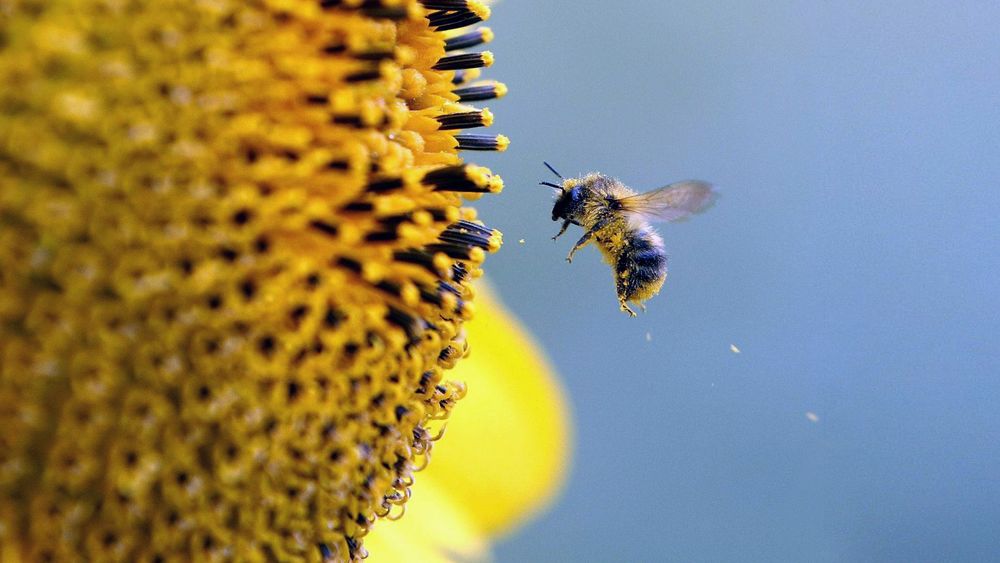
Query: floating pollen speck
x,y
813,417
520,241
734,349
649,337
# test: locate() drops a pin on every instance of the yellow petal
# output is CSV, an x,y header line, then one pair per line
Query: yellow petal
x,y
506,452
435,528
508,448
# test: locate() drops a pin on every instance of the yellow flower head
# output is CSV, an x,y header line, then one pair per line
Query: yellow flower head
x,y
233,267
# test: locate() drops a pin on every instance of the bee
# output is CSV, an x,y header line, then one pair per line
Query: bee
x,y
618,220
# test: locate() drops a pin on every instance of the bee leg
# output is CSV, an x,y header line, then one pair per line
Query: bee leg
x,y
642,307
625,307
565,226
579,244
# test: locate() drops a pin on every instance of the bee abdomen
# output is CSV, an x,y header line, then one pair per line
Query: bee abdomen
x,y
641,266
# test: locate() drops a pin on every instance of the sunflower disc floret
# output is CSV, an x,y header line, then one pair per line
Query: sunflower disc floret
x,y
234,266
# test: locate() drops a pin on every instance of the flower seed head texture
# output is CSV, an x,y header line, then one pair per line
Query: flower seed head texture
x,y
234,267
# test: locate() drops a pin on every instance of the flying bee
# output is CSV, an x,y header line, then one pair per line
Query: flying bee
x,y
617,220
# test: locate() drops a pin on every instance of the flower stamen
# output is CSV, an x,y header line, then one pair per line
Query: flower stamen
x,y
471,39
481,92
465,61
465,119
472,142
445,19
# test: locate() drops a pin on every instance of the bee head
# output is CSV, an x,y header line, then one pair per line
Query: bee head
x,y
569,203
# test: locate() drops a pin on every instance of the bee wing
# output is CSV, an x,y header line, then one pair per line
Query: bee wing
x,y
670,203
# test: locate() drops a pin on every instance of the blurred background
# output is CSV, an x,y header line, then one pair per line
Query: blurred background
x,y
852,260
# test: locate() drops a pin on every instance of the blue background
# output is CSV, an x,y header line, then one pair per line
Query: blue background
x,y
853,259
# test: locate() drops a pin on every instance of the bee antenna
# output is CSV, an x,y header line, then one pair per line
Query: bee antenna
x,y
551,185
549,166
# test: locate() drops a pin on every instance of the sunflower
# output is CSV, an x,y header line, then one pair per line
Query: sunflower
x,y
234,268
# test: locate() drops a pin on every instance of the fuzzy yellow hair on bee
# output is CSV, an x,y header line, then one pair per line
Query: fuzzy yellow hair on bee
x,y
618,220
